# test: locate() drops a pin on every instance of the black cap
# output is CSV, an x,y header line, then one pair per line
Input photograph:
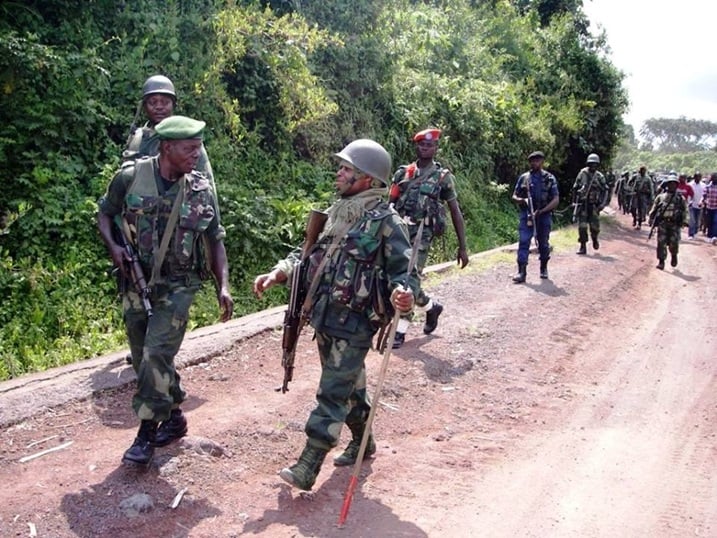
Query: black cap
x,y
536,155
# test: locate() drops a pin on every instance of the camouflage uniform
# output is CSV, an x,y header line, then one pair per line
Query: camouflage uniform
x,y
144,142
139,194
420,195
591,193
669,214
642,199
350,305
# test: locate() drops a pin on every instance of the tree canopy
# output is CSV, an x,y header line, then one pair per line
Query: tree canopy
x,y
282,85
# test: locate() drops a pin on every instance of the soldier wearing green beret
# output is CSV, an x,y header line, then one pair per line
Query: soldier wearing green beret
x,y
167,213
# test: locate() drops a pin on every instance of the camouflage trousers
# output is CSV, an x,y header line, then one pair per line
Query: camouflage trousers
x,y
588,219
668,238
341,397
154,342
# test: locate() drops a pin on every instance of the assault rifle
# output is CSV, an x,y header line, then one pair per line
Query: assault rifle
x,y
134,269
296,317
531,211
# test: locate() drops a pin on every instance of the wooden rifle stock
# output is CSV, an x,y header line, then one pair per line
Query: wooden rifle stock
x,y
295,318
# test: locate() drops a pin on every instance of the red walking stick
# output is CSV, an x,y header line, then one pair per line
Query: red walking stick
x,y
353,482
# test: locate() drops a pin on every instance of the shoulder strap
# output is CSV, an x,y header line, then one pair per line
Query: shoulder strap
x,y
168,231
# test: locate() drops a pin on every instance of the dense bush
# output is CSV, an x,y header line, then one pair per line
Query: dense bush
x,y
282,86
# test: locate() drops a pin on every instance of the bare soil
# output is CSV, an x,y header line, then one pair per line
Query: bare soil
x,y
579,406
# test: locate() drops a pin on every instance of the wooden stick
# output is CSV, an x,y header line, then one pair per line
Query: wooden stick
x,y
44,452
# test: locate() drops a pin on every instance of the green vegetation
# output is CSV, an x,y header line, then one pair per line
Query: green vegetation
x,y
282,85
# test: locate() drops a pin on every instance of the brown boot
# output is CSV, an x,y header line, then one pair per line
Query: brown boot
x,y
304,472
348,457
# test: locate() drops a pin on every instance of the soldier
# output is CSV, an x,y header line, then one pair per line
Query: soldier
x,y
668,214
590,193
535,190
159,99
418,191
642,199
358,266
168,212
628,197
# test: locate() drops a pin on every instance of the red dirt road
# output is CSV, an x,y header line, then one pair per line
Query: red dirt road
x,y
581,406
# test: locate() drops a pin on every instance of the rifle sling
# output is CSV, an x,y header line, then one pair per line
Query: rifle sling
x,y
168,231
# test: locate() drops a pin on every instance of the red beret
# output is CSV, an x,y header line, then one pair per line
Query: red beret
x,y
427,134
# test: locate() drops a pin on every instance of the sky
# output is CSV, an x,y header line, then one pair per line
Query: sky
x,y
667,52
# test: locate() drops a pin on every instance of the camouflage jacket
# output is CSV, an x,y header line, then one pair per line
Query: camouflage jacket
x,y
352,300
137,192
591,188
668,209
420,194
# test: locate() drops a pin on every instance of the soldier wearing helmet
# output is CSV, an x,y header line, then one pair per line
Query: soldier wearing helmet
x,y
418,192
668,214
159,99
358,268
644,190
590,195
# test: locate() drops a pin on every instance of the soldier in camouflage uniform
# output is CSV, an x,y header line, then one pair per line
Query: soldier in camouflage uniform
x,y
169,213
642,200
668,214
359,268
159,99
590,192
418,192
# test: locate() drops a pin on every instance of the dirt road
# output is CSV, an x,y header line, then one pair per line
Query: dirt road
x,y
580,406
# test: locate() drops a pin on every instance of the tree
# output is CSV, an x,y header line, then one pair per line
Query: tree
x,y
679,135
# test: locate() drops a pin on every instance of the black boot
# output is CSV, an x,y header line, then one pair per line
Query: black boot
x,y
673,260
432,318
304,472
172,429
583,249
521,275
543,268
596,243
348,457
660,263
142,450
398,340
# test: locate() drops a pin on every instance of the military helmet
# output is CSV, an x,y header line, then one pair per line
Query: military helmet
x,y
369,157
158,84
593,158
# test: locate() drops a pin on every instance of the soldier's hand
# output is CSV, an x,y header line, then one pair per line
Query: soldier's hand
x,y
462,257
402,299
226,303
266,281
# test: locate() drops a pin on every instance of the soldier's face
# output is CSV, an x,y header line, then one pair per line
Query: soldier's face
x,y
535,163
183,154
158,106
347,180
426,149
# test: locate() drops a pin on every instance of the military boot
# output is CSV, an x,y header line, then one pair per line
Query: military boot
x,y
348,457
543,268
398,340
583,249
172,429
596,243
304,472
673,260
660,263
142,450
432,318
520,276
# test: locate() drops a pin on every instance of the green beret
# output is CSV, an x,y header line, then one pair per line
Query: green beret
x,y
179,128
